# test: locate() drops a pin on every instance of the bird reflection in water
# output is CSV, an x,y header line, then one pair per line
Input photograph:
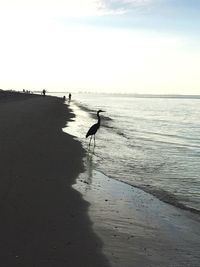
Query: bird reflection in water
x,y
90,167
88,175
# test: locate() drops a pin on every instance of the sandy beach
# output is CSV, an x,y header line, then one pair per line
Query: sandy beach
x,y
136,228
44,221
57,210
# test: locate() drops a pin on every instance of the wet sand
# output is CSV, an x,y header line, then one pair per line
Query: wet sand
x,y
136,228
44,221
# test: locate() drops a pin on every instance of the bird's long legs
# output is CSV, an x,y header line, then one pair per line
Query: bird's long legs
x,y
94,144
90,140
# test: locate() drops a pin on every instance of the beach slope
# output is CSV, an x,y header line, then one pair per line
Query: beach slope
x,y
44,221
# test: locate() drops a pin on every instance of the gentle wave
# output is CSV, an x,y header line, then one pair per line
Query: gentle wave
x,y
159,193
163,195
149,139
91,111
170,135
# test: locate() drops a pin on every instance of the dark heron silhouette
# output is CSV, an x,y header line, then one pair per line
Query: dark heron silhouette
x,y
94,128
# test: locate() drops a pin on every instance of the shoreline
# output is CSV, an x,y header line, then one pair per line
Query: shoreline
x,y
159,193
167,197
56,211
44,221
138,229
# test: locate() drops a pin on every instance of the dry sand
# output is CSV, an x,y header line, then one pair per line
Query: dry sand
x,y
44,221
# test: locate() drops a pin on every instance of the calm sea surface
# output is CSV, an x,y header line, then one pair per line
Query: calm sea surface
x,y
151,143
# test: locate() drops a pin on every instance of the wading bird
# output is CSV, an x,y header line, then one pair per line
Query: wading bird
x,y
94,128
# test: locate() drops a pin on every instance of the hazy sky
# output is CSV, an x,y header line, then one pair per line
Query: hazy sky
x,y
137,46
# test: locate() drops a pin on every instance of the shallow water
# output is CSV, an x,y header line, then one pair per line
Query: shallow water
x,y
151,143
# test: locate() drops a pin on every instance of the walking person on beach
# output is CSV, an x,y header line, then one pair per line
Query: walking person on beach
x,y
43,92
70,96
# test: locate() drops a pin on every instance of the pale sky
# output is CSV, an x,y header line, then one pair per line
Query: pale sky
x,y
130,46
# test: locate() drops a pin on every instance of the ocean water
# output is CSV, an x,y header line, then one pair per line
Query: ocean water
x,y
150,143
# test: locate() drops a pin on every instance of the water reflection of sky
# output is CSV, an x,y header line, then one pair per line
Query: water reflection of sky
x,y
151,142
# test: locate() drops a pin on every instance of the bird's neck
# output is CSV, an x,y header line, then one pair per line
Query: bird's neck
x,y
99,119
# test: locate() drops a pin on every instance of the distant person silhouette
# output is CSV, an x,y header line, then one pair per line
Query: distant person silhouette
x,y
70,96
64,98
43,92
